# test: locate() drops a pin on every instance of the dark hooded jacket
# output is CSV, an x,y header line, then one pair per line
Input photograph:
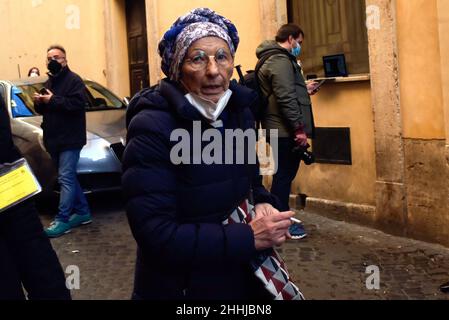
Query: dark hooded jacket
x,y
26,256
176,211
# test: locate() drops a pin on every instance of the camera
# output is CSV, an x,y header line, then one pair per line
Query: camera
x,y
306,156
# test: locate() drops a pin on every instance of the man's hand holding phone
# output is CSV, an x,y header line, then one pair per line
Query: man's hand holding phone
x,y
314,86
44,96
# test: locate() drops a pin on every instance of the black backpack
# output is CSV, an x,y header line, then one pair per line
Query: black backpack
x,y
251,81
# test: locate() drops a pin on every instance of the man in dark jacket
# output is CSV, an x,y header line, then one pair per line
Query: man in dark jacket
x,y
289,109
26,256
62,104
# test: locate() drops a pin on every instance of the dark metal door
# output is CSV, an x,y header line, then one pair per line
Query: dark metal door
x,y
137,45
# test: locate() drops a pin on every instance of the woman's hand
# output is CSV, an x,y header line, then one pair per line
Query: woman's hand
x,y
264,209
271,230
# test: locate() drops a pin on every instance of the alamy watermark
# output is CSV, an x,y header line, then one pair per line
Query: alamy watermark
x,y
72,11
73,19
373,17
235,146
36,3
72,281
373,280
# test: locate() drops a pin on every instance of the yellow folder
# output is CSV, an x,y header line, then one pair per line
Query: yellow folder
x,y
17,183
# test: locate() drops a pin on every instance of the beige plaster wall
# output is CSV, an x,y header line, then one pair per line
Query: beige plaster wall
x,y
29,27
443,19
425,129
117,71
408,96
427,177
420,69
273,14
343,105
153,37
391,206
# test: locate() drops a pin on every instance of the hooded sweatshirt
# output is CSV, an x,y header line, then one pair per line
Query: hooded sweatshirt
x,y
289,105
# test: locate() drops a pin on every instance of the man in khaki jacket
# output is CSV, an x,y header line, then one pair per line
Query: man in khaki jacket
x,y
289,108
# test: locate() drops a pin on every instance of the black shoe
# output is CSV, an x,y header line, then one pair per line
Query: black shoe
x,y
445,287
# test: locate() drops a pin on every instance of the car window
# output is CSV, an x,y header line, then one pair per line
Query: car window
x,y
22,104
101,98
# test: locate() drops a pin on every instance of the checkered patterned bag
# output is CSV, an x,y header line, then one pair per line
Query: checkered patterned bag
x,y
268,266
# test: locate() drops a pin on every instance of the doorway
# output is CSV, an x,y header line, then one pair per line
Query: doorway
x,y
136,25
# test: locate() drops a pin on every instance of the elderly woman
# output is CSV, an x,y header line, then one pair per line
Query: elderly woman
x,y
196,237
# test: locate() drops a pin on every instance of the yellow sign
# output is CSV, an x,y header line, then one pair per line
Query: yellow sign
x,y
17,183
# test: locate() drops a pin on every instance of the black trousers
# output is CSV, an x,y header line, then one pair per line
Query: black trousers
x,y
27,258
287,167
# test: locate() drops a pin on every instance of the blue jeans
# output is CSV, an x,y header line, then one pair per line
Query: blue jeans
x,y
288,166
72,199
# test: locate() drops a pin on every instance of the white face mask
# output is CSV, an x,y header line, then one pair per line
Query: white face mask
x,y
209,109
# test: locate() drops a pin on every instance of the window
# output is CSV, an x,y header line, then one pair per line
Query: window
x,y
22,104
100,98
332,27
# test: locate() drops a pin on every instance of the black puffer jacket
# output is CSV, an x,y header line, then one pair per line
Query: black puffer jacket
x,y
176,211
64,122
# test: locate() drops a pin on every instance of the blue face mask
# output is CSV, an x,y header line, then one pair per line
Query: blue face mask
x,y
296,51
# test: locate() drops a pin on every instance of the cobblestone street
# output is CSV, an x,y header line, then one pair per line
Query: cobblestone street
x,y
329,264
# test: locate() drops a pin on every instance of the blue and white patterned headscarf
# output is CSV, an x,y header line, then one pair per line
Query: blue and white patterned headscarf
x,y
197,24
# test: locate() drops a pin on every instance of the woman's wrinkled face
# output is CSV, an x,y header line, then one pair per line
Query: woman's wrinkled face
x,y
207,68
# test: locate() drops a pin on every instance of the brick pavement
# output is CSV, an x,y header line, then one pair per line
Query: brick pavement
x,y
329,264
104,251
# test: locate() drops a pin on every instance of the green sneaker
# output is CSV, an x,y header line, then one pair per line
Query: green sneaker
x,y
57,229
77,220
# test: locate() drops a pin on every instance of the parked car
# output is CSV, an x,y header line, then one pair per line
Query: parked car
x,y
99,168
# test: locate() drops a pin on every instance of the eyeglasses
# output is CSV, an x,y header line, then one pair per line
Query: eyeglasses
x,y
200,60
58,58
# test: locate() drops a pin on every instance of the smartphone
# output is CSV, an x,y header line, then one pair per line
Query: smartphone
x,y
319,84
43,91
